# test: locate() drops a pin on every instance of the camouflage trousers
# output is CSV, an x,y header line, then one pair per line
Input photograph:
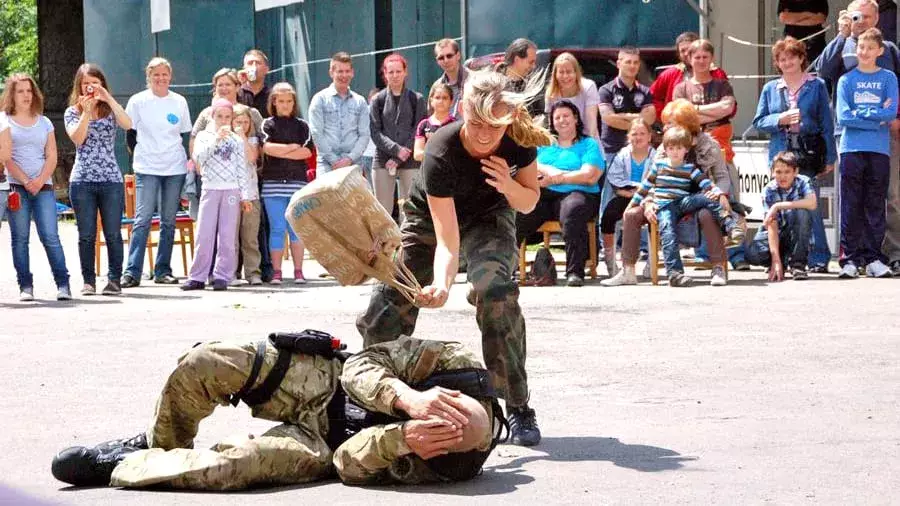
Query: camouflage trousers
x,y
489,244
293,452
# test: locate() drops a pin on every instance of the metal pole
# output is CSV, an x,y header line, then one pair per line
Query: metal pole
x,y
704,19
464,29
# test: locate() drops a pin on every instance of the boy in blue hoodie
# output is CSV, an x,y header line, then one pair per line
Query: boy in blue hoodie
x,y
866,104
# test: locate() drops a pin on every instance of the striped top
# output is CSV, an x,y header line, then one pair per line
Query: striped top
x,y
284,188
669,184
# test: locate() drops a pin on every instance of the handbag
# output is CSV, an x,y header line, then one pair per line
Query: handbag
x,y
809,148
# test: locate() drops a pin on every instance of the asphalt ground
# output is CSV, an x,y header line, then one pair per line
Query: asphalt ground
x,y
747,394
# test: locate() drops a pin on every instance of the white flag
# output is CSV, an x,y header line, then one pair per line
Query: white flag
x,y
159,15
269,4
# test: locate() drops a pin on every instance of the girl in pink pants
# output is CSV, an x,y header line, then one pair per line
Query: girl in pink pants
x,y
219,154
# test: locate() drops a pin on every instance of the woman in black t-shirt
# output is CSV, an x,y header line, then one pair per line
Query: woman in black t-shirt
x,y
475,176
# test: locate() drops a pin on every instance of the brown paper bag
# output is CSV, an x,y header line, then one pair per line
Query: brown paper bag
x,y
348,232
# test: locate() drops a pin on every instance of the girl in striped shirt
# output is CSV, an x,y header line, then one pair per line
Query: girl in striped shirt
x,y
287,144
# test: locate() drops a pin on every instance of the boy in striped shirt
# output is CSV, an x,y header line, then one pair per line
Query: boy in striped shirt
x,y
679,189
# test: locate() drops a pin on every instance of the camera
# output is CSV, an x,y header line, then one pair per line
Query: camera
x,y
856,16
90,90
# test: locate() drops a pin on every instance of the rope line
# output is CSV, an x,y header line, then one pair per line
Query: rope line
x,y
323,60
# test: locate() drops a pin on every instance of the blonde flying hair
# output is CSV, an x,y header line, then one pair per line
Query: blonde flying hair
x,y
156,62
553,88
485,89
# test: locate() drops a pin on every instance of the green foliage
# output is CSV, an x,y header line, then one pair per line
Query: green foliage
x,y
18,37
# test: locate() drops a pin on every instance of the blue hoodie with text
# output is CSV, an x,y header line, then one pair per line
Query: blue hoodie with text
x,y
866,104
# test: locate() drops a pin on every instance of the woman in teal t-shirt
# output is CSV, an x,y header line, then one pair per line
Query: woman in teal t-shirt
x,y
568,172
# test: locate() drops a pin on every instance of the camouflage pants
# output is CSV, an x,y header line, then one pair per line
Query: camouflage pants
x,y
206,376
489,244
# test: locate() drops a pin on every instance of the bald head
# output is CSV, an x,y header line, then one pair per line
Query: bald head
x,y
477,434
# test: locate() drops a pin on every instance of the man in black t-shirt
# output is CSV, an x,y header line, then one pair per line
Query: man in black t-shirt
x,y
623,100
802,18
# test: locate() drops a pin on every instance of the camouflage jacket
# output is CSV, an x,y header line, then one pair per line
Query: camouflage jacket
x,y
379,454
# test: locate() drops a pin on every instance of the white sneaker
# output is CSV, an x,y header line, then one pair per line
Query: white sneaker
x,y
623,277
849,271
877,269
26,294
718,276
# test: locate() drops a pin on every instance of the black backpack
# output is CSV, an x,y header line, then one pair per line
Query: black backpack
x,y
543,270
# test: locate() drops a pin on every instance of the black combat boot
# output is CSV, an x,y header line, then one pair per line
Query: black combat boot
x,y
93,467
523,428
138,442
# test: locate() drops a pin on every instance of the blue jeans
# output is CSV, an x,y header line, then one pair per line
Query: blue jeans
x,y
109,200
365,165
819,253
41,207
166,190
669,216
793,241
278,225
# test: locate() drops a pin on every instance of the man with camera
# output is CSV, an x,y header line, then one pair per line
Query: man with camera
x,y
839,58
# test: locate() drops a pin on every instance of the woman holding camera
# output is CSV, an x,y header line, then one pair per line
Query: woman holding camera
x,y
96,181
795,110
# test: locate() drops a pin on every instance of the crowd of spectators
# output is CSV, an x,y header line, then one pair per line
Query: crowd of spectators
x,y
250,150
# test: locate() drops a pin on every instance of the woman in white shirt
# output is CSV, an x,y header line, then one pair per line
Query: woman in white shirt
x,y
567,82
161,118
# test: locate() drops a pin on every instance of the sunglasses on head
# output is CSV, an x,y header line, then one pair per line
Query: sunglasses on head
x,y
445,56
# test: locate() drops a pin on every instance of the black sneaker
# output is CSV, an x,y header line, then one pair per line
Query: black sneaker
x,y
88,467
129,282
166,279
895,268
799,274
741,266
819,269
574,280
112,288
220,285
193,285
523,428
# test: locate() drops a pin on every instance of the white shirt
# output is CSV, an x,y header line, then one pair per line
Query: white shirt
x,y
159,122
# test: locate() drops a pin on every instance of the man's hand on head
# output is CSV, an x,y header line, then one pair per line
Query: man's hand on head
x,y
436,402
432,437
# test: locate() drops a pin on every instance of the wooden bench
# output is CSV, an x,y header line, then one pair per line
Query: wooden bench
x,y
655,262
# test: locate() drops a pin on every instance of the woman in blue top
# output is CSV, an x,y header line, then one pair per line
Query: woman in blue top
x,y
96,182
795,110
567,172
30,176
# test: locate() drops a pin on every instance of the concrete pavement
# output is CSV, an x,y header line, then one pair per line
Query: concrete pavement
x,y
746,394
